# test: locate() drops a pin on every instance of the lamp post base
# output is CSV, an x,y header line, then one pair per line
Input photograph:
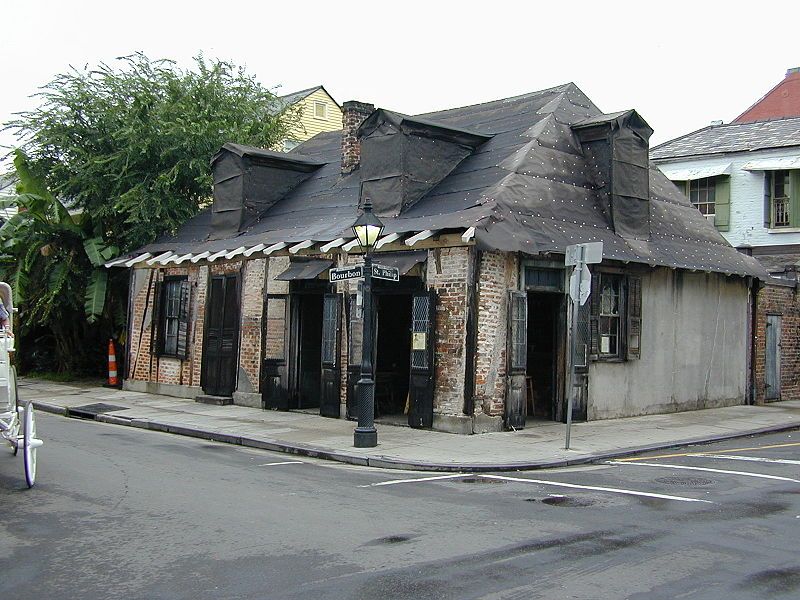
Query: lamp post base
x,y
365,437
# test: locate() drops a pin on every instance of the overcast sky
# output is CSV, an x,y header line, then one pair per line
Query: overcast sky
x,y
680,64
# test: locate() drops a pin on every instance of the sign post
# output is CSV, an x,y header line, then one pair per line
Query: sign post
x,y
580,286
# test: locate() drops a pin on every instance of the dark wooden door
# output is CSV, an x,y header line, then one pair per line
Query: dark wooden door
x,y
220,354
421,380
331,375
354,346
516,396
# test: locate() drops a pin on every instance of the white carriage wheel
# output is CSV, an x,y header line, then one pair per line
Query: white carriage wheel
x,y
29,448
13,404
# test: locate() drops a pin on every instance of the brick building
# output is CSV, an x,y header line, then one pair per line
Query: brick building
x,y
479,205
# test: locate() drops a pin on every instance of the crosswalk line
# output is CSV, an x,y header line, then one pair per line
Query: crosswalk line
x,y
704,469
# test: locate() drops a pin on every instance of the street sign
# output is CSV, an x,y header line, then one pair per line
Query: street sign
x,y
344,273
389,273
580,284
592,253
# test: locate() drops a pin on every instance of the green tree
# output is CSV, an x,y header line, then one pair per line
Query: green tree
x,y
112,158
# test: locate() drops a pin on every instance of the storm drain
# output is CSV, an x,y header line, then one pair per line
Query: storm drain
x,y
90,411
685,481
568,501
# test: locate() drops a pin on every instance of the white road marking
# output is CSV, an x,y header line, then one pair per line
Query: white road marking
x,y
418,480
596,488
723,471
288,462
780,461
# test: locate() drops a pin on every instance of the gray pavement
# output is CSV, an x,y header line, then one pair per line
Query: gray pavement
x,y
539,445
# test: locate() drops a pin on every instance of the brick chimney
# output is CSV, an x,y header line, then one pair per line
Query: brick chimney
x,y
353,114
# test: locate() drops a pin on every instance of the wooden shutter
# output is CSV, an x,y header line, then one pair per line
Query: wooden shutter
x,y
767,199
794,203
634,306
722,203
594,318
183,321
157,320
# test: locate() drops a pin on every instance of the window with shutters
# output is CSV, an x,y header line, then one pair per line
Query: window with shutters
x,y
615,319
173,318
711,196
784,198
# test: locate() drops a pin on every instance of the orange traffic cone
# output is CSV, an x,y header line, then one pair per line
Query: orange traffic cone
x,y
113,380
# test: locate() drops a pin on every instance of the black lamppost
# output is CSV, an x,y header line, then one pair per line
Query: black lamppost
x,y
368,229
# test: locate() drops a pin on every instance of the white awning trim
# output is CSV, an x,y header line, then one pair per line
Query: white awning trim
x,y
275,248
115,262
217,255
160,257
197,258
167,259
138,259
254,249
692,173
331,245
422,235
350,245
468,235
179,259
387,239
773,164
236,252
302,245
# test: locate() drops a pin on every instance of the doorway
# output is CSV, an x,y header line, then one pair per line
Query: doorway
x,y
772,362
544,310
305,379
392,356
220,356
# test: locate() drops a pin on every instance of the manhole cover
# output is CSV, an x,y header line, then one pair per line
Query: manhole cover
x,y
686,481
90,411
568,501
481,480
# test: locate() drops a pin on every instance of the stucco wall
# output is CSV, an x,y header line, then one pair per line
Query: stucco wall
x,y
747,197
694,349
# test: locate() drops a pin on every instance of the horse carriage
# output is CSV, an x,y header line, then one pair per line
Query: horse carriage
x,y
17,421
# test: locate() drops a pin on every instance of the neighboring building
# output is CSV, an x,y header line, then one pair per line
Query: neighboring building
x,y
781,102
745,177
8,190
319,113
479,205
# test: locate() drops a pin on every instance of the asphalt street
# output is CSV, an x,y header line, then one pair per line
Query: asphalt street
x,y
128,513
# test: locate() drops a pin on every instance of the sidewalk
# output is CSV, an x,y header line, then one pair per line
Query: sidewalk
x,y
540,445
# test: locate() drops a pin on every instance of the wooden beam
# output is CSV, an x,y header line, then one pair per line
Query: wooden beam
x,y
115,262
253,250
387,239
179,259
236,252
275,248
350,245
160,257
217,255
301,246
198,257
468,235
422,235
331,245
138,259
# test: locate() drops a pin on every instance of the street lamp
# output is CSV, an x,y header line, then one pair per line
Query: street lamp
x,y
367,229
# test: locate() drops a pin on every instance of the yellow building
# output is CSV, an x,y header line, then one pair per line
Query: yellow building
x,y
318,112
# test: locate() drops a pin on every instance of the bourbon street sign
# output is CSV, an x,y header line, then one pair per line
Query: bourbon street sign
x,y
354,272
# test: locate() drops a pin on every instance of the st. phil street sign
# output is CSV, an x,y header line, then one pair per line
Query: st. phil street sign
x,y
357,272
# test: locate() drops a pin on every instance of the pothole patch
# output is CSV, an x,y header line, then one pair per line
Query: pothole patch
x,y
489,480
568,501
685,481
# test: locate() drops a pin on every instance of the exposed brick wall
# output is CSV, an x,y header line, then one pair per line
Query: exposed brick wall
x,y
784,301
251,314
144,365
497,275
447,274
353,114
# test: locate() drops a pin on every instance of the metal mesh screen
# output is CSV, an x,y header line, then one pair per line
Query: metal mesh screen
x,y
329,321
581,356
420,321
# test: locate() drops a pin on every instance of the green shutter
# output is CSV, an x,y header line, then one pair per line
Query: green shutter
x,y
794,191
722,203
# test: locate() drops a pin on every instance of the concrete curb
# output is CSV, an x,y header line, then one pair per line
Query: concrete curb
x,y
386,462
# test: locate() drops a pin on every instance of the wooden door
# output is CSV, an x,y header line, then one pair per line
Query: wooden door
x,y
220,355
516,396
421,379
331,375
772,366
